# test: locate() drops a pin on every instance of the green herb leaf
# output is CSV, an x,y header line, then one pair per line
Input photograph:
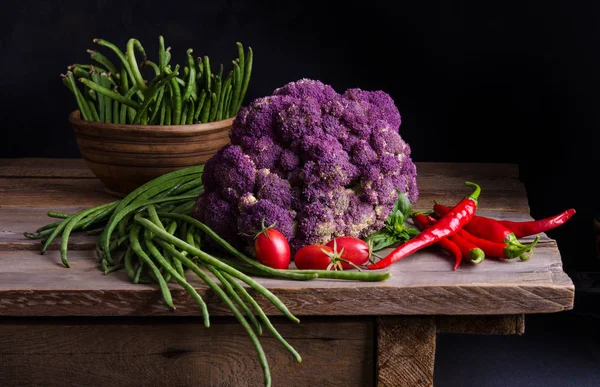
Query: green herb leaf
x,y
381,240
402,204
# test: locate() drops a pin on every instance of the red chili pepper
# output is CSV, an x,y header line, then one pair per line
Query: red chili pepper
x,y
447,225
422,222
499,250
468,249
532,227
484,227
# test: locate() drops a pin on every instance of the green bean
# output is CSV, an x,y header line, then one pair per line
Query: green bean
x,y
123,114
124,81
190,113
176,101
109,228
222,99
48,226
92,95
113,268
184,208
232,250
177,263
83,108
226,106
207,74
250,270
108,102
262,316
157,106
184,115
109,93
200,104
206,109
163,107
209,260
149,95
135,245
138,273
241,304
213,108
236,87
191,76
115,113
92,107
104,61
174,190
161,53
128,261
95,231
154,67
133,44
168,113
220,75
70,224
120,54
101,110
217,289
181,280
167,56
80,73
38,235
247,73
58,215
240,49
88,67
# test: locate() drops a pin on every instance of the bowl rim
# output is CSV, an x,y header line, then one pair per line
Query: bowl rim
x,y
208,127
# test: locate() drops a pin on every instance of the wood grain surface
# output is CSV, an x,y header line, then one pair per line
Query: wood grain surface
x,y
32,284
182,352
27,183
405,351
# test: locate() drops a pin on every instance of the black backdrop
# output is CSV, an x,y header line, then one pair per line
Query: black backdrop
x,y
474,81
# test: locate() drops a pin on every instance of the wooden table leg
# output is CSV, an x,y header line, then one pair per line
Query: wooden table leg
x,y
405,351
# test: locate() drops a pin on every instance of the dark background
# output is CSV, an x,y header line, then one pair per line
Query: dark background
x,y
474,82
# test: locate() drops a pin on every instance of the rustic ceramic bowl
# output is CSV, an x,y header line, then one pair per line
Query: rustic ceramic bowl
x,y
124,157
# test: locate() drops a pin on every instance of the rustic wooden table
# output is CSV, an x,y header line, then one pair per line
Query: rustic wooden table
x,y
67,327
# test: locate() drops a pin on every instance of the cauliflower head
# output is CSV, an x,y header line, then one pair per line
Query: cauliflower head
x,y
316,163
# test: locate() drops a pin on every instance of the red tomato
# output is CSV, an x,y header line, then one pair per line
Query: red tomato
x,y
313,257
354,250
272,249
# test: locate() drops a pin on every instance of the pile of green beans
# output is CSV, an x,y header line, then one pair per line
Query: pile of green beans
x,y
152,236
116,92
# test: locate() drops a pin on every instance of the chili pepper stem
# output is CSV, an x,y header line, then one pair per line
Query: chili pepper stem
x,y
476,255
513,250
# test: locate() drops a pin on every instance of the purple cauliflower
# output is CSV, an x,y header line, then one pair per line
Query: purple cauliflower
x,y
317,163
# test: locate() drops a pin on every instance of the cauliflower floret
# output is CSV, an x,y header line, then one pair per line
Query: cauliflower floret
x,y
317,163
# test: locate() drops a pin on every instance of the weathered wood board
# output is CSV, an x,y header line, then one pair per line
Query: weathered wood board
x,y
141,352
422,284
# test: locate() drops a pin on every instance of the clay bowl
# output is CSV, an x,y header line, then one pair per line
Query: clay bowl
x,y
124,157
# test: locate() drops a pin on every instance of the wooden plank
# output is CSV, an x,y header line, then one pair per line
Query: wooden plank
x,y
422,284
181,352
473,171
481,325
436,181
76,167
46,168
68,192
41,192
15,221
405,351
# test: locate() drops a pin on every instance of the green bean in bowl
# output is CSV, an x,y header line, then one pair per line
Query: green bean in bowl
x,y
115,91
